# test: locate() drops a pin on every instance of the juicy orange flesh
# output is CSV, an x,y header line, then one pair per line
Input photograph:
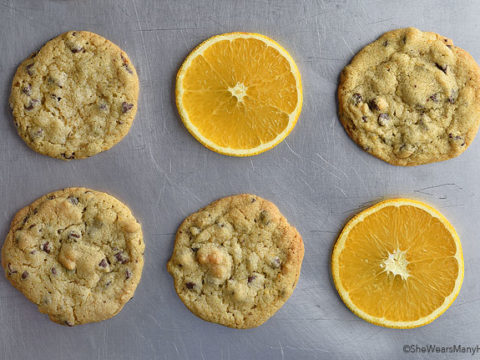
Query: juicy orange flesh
x,y
430,252
259,116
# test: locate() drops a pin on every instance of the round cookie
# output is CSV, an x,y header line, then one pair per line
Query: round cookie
x,y
76,253
75,97
236,261
411,98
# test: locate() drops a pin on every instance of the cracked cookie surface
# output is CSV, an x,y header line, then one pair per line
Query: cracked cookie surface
x,y
411,98
75,97
76,253
236,261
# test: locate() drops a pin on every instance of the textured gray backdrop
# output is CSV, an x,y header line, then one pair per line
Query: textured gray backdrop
x,y
318,178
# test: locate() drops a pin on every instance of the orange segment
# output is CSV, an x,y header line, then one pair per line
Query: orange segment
x,y
239,94
398,264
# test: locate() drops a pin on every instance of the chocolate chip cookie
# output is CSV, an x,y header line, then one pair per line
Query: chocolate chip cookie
x,y
411,98
236,261
75,97
76,253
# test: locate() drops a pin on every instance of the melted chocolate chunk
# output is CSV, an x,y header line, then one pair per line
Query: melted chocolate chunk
x,y
190,285
128,274
54,271
251,278
24,275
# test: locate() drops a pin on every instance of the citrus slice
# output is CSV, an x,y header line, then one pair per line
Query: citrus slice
x,y
398,264
239,94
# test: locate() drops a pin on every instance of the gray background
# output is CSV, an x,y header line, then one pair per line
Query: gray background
x,y
318,178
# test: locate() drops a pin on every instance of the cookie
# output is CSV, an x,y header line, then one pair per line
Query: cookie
x,y
411,98
237,261
76,253
75,97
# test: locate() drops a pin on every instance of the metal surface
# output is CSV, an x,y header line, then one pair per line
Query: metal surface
x,y
318,178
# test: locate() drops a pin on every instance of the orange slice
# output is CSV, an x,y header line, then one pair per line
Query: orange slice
x,y
239,94
398,264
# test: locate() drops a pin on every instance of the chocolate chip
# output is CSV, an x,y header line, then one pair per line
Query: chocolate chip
x,y
194,249
51,197
253,200
31,104
76,50
121,258
276,262
126,107
125,64
107,284
11,271
68,157
434,97
25,219
74,33
449,46
68,323
383,119
251,278
55,97
453,96
35,134
373,105
46,247
364,118
73,200
54,271
128,274
385,43
28,69
357,98
103,263
75,235
27,89
264,217
190,285
443,68
24,275
103,106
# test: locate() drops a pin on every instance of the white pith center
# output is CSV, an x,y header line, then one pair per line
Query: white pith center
x,y
396,263
239,91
